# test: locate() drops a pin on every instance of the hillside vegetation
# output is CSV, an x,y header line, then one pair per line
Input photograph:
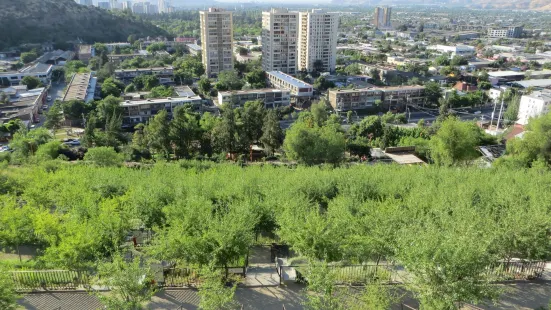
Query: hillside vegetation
x,y
37,21
444,225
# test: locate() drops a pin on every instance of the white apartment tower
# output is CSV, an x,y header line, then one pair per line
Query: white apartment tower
x,y
317,41
216,40
279,41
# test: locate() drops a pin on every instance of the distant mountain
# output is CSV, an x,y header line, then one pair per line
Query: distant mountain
x,y
536,5
37,21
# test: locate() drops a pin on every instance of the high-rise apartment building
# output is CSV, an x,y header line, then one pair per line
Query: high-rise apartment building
x,y
382,17
164,6
279,41
85,2
317,41
216,40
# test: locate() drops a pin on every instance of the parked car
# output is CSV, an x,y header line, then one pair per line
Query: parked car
x,y
49,98
71,142
5,148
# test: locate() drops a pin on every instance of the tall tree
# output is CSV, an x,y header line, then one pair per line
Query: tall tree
x,y
252,117
31,82
184,130
157,133
272,135
455,142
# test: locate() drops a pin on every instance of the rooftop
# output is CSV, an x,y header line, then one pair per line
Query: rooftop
x,y
534,83
253,91
289,79
516,73
131,103
145,69
78,88
184,91
37,68
194,47
406,87
545,95
55,55
354,90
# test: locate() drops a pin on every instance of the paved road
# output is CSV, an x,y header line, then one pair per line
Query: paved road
x,y
56,92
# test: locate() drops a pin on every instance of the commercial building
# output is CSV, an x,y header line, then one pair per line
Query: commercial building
x,y
279,41
354,99
533,105
118,58
317,41
127,75
508,32
296,87
381,18
140,111
82,87
23,104
216,40
510,76
457,50
41,71
271,97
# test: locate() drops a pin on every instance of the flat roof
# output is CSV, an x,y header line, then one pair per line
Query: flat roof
x,y
346,90
405,158
145,69
534,83
130,103
78,88
545,95
514,73
194,47
184,91
289,79
408,87
253,91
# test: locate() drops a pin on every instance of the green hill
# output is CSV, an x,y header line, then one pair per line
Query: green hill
x,y
37,21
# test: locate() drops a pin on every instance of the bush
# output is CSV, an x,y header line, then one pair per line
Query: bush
x,y
104,156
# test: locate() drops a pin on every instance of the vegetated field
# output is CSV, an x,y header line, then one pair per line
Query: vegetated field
x,y
445,225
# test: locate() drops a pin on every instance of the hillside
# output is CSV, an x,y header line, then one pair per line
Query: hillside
x,y
37,21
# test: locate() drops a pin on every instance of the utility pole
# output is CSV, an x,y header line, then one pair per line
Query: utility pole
x,y
493,112
499,117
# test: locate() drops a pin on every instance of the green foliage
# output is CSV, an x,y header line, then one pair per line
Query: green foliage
x,y
31,21
229,80
54,116
314,145
353,69
204,86
322,84
256,78
31,82
455,142
155,47
111,87
49,150
191,65
146,82
75,109
25,143
161,92
130,283
214,294
272,135
8,296
433,92
533,147
103,156
29,56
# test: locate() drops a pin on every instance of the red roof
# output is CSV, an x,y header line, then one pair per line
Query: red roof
x,y
517,129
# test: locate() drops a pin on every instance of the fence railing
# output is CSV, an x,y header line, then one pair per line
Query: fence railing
x,y
517,270
50,279
347,274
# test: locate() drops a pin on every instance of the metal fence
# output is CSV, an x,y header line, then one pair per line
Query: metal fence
x,y
347,274
50,279
517,270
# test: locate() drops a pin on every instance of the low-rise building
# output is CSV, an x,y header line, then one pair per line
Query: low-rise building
x,y
185,40
57,57
118,58
457,50
127,75
194,49
271,97
23,104
399,96
85,53
41,71
140,111
510,76
113,46
297,87
354,99
533,105
82,87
